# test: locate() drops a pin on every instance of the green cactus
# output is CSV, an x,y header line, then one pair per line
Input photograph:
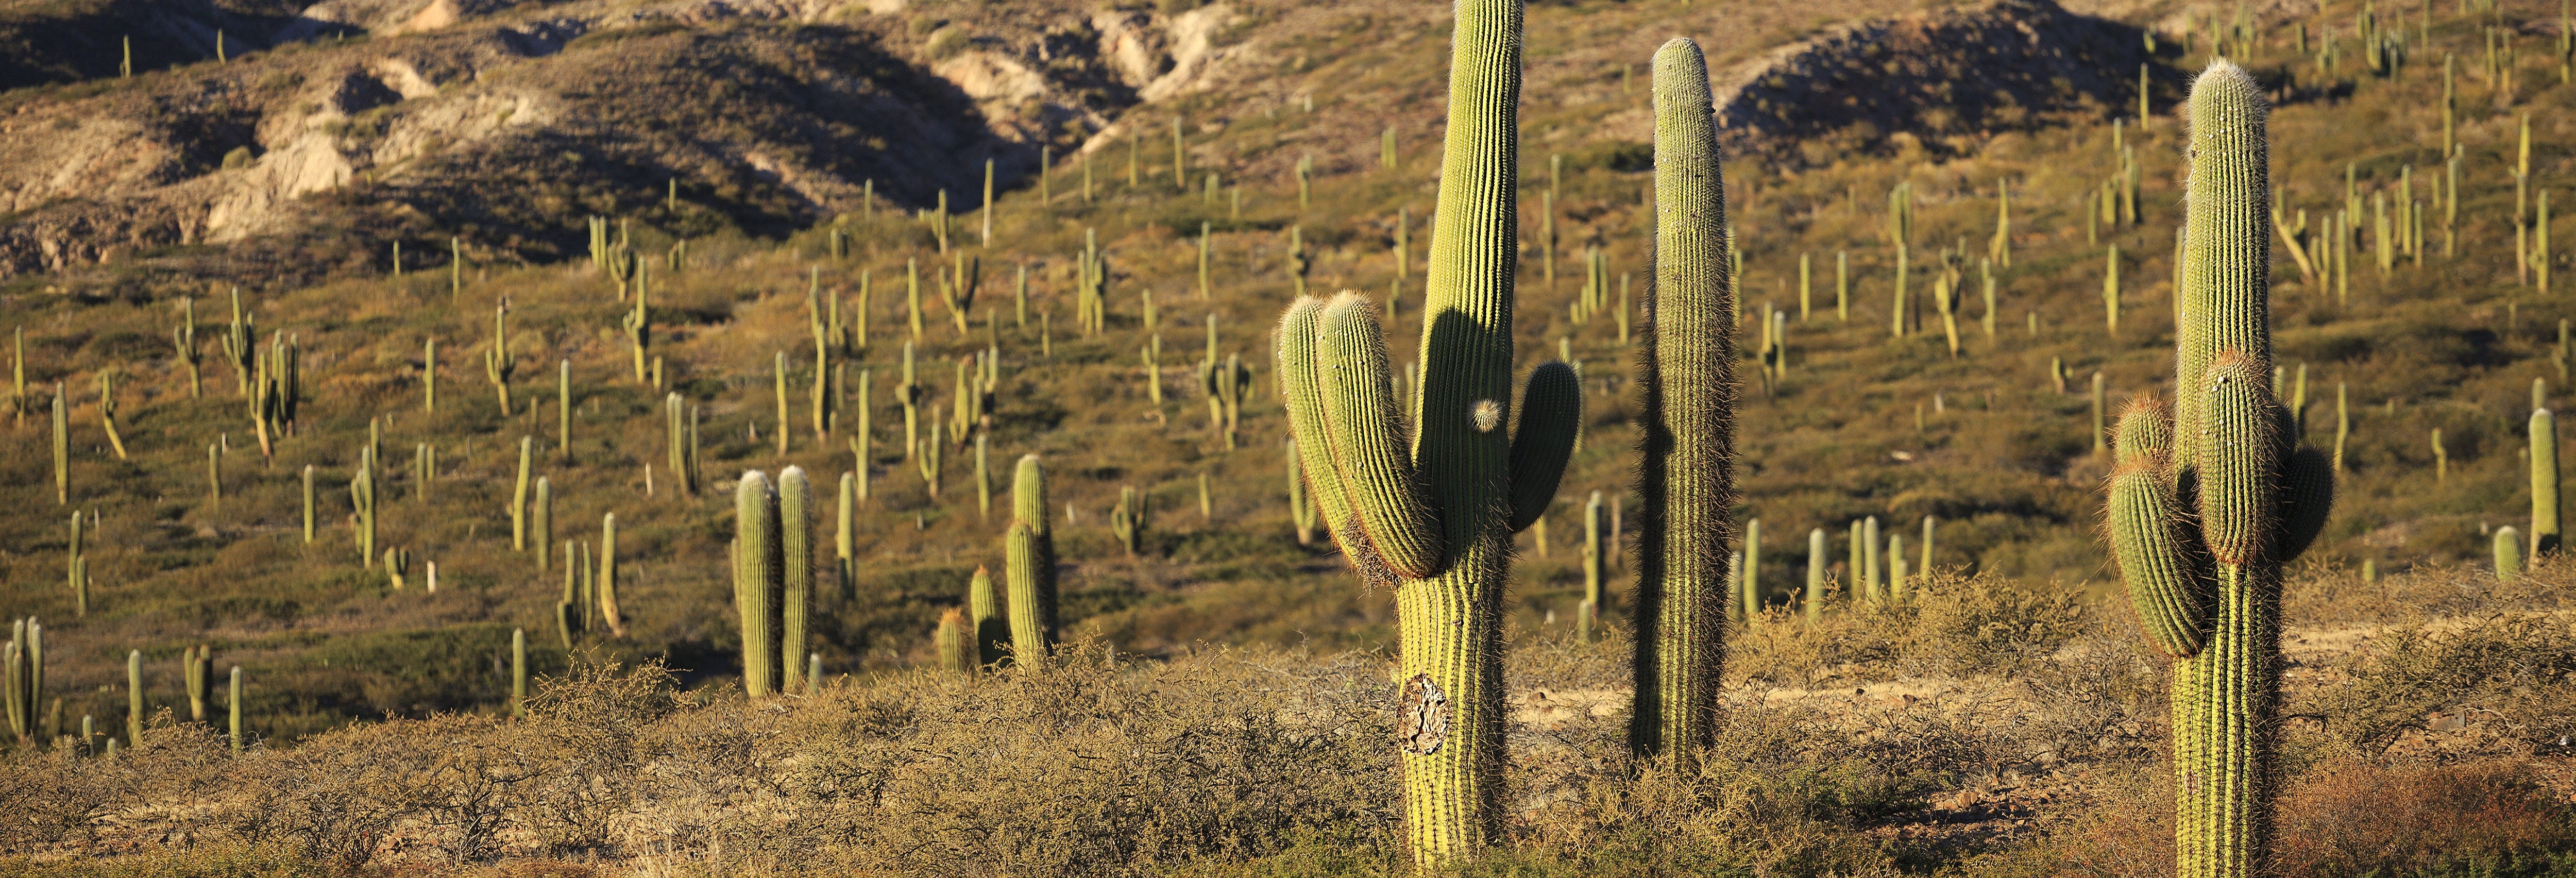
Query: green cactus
x,y
2545,533
1433,517
1301,511
796,560
1128,521
2508,554
541,524
429,375
983,479
929,461
991,633
955,646
758,580
62,449
79,570
498,364
2204,511
2441,458
241,343
518,684
233,706
609,611
135,694
845,539
519,503
778,378
215,473
1030,552
639,332
675,441
1816,573
1897,582
22,676
184,338
1596,556
362,500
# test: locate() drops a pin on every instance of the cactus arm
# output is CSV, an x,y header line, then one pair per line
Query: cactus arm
x,y
2239,472
2225,302
1386,494
2145,428
2145,518
1303,389
1686,438
1551,420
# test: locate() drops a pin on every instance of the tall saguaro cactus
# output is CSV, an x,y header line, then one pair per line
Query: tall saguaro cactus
x,y
758,582
1432,518
1030,552
2206,507
1686,374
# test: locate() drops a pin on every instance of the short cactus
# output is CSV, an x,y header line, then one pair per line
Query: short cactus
x,y
2508,554
955,644
2204,509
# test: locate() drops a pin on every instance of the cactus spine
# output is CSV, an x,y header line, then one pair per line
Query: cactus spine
x,y
1433,517
1687,375
2546,537
757,580
2208,586
796,561
1030,552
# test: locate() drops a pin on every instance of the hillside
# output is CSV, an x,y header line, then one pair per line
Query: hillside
x,y
728,151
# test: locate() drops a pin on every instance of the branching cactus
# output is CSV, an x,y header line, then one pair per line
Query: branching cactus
x,y
2206,506
1432,515
1686,373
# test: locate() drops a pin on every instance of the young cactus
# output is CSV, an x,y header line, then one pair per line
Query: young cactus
x,y
955,644
2206,506
1686,369
1432,515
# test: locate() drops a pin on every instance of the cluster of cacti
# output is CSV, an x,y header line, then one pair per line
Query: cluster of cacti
x,y
184,338
1128,521
22,679
2207,504
1091,285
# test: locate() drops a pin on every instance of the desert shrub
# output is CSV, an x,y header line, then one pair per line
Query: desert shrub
x,y
2517,669
2355,817
946,43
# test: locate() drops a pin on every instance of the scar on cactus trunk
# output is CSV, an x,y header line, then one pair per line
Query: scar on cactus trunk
x,y
2206,506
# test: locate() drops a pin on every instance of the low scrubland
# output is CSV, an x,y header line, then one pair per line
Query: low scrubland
x,y
1981,729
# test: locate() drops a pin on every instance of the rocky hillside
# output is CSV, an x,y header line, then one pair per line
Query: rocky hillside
x,y
323,132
